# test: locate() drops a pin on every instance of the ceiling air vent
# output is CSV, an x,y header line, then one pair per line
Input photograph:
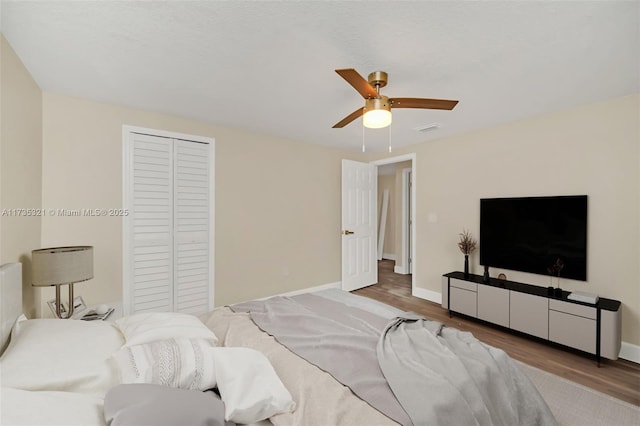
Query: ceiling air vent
x,y
427,128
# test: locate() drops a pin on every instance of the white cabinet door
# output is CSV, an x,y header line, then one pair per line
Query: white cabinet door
x,y
493,304
463,297
573,325
445,292
611,333
573,331
529,313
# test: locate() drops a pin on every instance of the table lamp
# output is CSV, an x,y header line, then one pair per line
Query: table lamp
x,y
58,266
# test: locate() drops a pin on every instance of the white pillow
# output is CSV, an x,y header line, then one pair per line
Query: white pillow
x,y
177,363
139,329
27,408
60,355
249,386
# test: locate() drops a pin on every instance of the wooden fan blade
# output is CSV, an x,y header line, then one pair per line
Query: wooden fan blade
x,y
349,118
358,82
422,103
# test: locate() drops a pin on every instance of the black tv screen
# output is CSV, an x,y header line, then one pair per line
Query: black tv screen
x,y
530,234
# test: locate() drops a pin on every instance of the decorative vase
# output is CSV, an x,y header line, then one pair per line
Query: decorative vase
x,y
466,266
487,278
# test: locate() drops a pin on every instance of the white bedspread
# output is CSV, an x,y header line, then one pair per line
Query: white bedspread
x,y
51,408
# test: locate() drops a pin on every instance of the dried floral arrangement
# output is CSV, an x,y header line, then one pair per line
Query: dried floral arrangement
x,y
556,268
467,243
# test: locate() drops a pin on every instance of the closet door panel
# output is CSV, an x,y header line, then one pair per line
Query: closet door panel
x,y
151,224
191,231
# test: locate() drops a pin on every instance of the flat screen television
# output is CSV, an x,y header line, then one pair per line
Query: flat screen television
x,y
530,234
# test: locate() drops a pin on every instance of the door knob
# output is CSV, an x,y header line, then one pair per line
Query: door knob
x,y
347,232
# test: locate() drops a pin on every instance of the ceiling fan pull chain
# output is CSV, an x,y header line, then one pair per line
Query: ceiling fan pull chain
x,y
363,135
389,127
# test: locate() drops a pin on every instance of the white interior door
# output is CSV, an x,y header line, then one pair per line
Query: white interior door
x,y
359,223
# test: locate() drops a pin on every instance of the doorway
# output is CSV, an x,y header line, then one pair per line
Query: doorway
x,y
395,264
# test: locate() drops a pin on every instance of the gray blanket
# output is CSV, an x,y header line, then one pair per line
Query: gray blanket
x,y
445,376
410,369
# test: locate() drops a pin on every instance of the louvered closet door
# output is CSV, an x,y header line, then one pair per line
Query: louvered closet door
x,y
151,222
169,255
191,230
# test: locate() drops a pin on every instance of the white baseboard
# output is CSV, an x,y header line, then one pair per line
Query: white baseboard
x,y
389,256
400,270
630,352
423,293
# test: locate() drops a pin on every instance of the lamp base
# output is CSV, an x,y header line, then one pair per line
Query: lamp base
x,y
59,302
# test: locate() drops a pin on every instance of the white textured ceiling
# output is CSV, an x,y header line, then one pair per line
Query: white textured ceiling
x,y
269,66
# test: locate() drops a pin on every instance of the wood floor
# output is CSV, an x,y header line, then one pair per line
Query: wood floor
x,y
620,379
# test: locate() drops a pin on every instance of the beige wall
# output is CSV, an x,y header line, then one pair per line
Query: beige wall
x,y
591,150
277,201
20,165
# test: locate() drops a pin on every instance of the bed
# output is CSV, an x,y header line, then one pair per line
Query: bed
x,y
327,358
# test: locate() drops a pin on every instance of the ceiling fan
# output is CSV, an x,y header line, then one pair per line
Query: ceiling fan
x,y
377,107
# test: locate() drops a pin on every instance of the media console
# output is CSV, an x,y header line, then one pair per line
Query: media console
x,y
595,329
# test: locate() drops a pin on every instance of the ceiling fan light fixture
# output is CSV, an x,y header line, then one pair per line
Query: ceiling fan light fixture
x,y
377,108
377,113
377,119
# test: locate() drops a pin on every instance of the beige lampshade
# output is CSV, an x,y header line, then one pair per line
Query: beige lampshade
x,y
61,265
